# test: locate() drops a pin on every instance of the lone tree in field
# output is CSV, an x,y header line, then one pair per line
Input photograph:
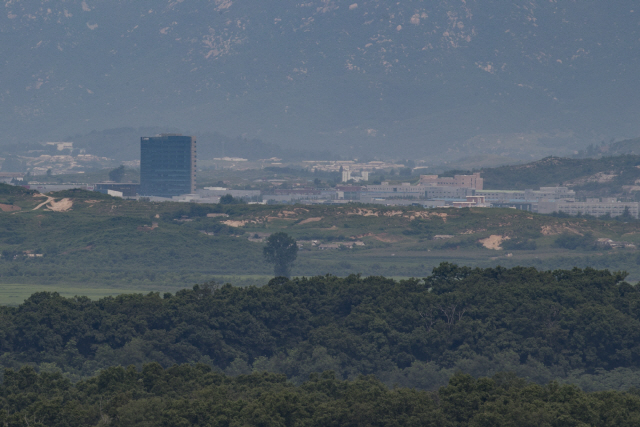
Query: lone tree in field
x,y
281,251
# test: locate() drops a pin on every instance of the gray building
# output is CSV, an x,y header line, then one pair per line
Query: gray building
x,y
127,189
167,165
594,207
398,191
502,196
418,192
449,193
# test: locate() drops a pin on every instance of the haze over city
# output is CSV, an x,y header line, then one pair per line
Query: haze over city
x,y
319,213
440,80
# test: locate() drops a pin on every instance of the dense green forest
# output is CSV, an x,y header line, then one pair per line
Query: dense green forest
x,y
579,326
194,395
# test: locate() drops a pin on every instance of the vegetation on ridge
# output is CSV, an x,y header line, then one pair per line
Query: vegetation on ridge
x,y
594,177
193,395
576,324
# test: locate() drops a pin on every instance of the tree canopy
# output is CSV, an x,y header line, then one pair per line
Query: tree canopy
x,y
281,250
580,326
117,174
195,395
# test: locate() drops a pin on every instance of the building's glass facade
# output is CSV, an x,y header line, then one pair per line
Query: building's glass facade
x,y
167,165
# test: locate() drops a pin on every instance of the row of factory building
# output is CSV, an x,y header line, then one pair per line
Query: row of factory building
x,y
168,173
546,200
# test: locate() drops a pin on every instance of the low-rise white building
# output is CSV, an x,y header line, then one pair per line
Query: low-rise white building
x,y
594,207
555,193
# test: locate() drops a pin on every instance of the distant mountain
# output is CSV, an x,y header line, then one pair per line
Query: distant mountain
x,y
444,79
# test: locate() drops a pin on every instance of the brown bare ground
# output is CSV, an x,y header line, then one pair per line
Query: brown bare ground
x,y
61,206
9,208
49,199
427,215
308,220
295,212
384,237
548,230
493,242
474,231
362,212
361,236
232,223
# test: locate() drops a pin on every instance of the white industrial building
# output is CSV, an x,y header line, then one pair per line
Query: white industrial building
x,y
594,207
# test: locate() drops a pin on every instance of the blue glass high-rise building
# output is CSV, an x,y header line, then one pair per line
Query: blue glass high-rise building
x,y
167,165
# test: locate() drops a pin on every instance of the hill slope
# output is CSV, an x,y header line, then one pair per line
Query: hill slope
x,y
542,325
602,176
91,239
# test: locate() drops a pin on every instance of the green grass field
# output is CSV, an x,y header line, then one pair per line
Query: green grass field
x,y
103,245
14,294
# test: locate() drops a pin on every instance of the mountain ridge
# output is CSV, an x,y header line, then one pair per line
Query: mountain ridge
x,y
371,75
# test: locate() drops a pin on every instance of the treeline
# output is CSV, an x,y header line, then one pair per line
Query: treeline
x,y
577,325
194,395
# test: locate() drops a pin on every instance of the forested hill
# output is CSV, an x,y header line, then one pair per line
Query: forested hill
x,y
566,325
612,172
195,396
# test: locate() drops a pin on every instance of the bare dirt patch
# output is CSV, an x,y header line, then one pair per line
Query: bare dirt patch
x,y
362,212
275,218
427,215
493,242
61,206
236,224
292,213
384,237
308,220
480,230
49,199
9,208
361,236
549,230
